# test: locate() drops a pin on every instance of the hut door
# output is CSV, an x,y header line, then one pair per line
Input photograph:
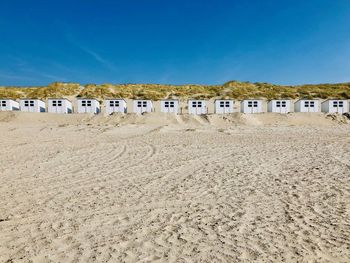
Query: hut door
x,y
250,107
253,106
311,106
221,107
83,105
194,107
339,106
142,106
278,106
57,106
307,106
172,106
281,106
111,106
89,106
199,107
169,106
139,107
227,107
284,106
29,104
54,106
3,105
224,107
115,104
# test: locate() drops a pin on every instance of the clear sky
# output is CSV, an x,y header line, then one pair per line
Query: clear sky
x,y
174,41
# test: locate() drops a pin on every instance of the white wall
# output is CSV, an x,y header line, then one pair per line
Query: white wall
x,y
197,107
223,106
8,105
32,105
251,106
335,106
279,106
62,106
88,106
115,105
141,106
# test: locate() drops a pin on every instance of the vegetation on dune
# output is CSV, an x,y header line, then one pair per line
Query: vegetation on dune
x,y
53,90
232,89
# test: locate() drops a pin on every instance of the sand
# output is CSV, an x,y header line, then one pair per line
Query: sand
x,y
159,188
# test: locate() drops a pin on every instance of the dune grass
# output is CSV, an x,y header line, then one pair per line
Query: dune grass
x,y
232,89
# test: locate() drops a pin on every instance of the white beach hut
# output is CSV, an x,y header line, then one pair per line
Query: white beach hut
x,y
141,106
251,106
335,106
306,106
169,106
88,106
197,107
115,105
279,106
223,106
8,105
32,105
63,106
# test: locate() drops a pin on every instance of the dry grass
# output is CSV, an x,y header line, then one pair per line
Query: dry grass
x,y
232,89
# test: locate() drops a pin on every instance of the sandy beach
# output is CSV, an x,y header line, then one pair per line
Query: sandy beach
x,y
159,188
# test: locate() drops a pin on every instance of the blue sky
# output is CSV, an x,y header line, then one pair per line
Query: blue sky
x,y
174,42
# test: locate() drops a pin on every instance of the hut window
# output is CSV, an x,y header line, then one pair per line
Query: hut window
x,y
340,103
59,103
31,103
26,103
169,104
284,104
278,104
306,104
224,104
196,104
114,103
88,103
252,104
83,103
142,104
312,104
335,103
3,103
54,103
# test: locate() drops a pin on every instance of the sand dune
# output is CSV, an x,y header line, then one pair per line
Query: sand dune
x,y
160,188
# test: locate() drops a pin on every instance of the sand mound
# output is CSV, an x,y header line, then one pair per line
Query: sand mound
x,y
164,119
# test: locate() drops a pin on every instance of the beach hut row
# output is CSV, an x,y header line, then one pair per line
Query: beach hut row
x,y
194,106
